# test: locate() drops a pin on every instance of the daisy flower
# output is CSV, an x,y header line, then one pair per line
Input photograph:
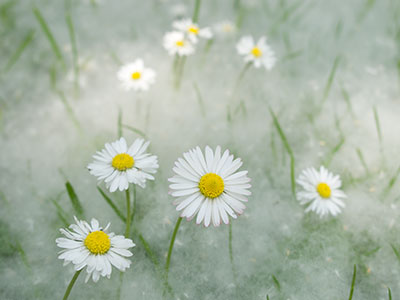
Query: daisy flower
x,y
225,28
90,246
209,186
192,30
136,76
175,42
119,165
260,53
321,191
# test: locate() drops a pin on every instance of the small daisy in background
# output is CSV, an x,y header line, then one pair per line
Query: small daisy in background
x,y
90,246
119,165
260,53
209,186
176,43
225,28
321,191
136,76
192,30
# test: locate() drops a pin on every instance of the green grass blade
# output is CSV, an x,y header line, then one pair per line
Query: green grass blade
x,y
112,205
75,57
362,160
391,183
353,281
276,283
288,149
135,130
17,54
346,98
331,77
69,110
49,35
396,252
334,151
62,215
377,124
149,253
23,254
76,204
196,11
120,123
199,99
389,294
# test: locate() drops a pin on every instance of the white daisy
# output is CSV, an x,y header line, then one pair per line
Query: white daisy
x,y
225,28
175,42
260,53
192,30
209,186
119,165
136,76
321,191
92,247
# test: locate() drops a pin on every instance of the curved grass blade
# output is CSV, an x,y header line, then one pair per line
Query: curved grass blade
x,y
75,56
76,204
276,282
135,130
149,253
17,54
352,283
331,77
49,35
288,149
112,205
389,294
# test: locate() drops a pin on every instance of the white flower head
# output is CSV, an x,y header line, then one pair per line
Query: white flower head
x,y
209,186
119,165
192,30
260,53
136,76
225,28
175,42
321,191
90,246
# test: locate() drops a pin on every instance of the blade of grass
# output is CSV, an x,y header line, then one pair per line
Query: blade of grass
x,y
196,11
362,160
396,252
23,255
199,99
276,283
288,149
149,253
391,183
135,130
377,124
329,82
389,294
75,56
333,152
76,204
119,123
17,54
69,110
112,205
49,35
346,98
353,281
62,215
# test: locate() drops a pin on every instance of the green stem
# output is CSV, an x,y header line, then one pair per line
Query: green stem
x,y
171,246
196,11
134,204
71,284
128,214
230,250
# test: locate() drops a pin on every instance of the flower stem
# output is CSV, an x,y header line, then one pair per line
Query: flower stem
x,y
196,11
171,246
231,251
128,214
71,284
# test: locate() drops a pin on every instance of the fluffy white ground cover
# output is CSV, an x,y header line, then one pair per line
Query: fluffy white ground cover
x,y
334,89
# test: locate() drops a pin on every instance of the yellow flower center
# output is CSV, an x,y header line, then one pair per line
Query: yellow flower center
x,y
180,43
256,52
136,75
193,29
211,185
123,162
324,190
98,242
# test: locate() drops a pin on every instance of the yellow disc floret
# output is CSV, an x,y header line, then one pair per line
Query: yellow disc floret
x,y
98,242
136,75
324,190
211,185
193,29
256,52
123,162
180,43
